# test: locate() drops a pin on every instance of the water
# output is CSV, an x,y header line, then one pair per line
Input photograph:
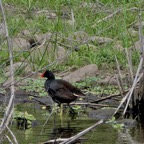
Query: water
x,y
56,128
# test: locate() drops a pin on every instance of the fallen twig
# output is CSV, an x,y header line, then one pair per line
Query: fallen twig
x,y
73,138
10,141
107,97
92,104
119,86
136,80
120,75
13,136
129,64
107,17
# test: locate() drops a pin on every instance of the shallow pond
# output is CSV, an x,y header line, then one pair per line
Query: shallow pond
x,y
56,128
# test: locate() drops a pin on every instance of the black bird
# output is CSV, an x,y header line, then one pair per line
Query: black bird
x,y
60,90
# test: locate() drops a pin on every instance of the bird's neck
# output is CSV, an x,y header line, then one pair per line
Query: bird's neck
x,y
52,78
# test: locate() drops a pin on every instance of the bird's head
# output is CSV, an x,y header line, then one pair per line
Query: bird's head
x,y
48,74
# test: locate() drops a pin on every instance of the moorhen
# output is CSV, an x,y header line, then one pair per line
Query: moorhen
x,y
60,90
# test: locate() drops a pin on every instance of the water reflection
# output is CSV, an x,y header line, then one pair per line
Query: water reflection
x,y
55,128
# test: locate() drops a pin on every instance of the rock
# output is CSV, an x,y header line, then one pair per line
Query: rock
x,y
79,36
20,44
2,30
136,46
82,73
47,35
102,113
42,52
26,33
46,13
133,32
59,54
6,83
136,25
101,40
118,46
49,53
41,37
108,80
128,122
22,67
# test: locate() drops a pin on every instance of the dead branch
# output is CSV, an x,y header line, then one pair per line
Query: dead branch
x,y
120,75
10,141
142,47
119,86
92,104
107,97
12,134
9,109
129,64
136,80
107,17
57,140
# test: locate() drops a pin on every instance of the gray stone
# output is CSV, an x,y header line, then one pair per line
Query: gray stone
x,y
82,73
23,67
79,36
136,25
136,46
20,44
101,40
60,54
102,113
133,32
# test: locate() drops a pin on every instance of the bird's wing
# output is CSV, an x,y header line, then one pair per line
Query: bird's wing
x,y
72,88
60,91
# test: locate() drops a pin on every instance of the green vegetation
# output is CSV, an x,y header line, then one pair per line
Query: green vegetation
x,y
64,19
33,15
34,85
115,124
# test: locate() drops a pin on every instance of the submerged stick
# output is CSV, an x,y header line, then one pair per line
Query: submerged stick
x,y
92,104
12,134
73,138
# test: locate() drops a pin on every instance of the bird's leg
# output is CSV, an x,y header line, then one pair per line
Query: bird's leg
x,y
61,110
69,107
54,108
72,112
61,114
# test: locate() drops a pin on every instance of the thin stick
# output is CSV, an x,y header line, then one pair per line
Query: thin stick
x,y
119,72
92,104
73,19
142,47
73,138
13,136
9,109
129,64
119,86
104,98
121,103
136,80
107,17
10,141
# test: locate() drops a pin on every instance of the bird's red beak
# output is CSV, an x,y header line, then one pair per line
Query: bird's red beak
x,y
41,75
